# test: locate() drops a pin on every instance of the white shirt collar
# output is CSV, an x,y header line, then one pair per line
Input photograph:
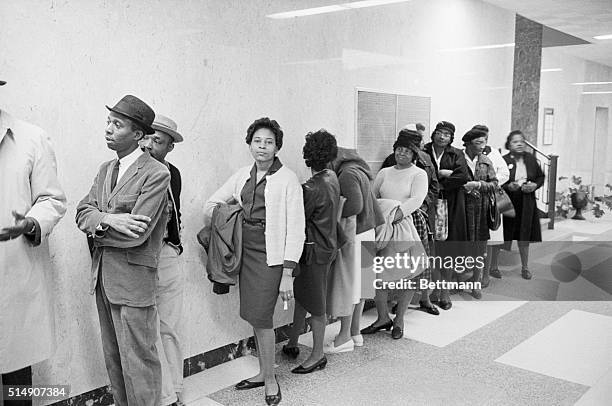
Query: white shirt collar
x,y
5,120
127,161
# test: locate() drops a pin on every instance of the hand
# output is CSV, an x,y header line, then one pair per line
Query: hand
x,y
472,185
529,187
444,173
132,225
513,186
399,216
22,226
286,287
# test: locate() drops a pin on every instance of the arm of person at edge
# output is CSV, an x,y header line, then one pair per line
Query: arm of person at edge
x,y
295,236
49,200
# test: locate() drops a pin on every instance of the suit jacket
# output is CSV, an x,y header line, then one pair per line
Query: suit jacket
x,y
128,265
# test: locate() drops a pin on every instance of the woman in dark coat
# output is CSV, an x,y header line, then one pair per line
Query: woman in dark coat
x,y
321,206
526,177
452,172
479,189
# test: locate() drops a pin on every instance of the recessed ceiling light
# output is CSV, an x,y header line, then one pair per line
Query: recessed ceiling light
x,y
592,83
332,8
610,92
552,70
606,36
494,46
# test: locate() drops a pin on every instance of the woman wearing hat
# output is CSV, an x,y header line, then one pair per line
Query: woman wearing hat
x,y
424,218
406,183
452,173
526,177
482,183
272,241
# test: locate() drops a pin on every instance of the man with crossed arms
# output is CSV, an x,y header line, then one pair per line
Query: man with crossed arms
x,y
125,213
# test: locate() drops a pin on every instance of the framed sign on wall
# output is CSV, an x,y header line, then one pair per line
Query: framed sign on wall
x,y
549,120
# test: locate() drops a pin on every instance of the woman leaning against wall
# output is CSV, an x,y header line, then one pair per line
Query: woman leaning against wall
x,y
272,241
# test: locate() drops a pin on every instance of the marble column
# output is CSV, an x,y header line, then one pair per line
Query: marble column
x,y
526,79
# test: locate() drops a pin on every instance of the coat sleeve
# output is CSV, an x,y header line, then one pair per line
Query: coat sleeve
x,y
88,213
296,223
459,177
350,186
151,202
539,174
48,198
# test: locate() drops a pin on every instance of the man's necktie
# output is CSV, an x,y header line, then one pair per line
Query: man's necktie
x,y
114,176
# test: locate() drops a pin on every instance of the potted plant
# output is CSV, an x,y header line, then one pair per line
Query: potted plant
x,y
579,196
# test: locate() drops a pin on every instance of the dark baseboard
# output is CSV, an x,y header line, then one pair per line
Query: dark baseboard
x,y
103,396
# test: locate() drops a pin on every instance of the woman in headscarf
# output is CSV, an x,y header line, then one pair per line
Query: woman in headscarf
x,y
481,185
349,281
272,241
452,175
321,205
526,177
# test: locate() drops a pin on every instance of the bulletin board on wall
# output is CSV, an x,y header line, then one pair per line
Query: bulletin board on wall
x,y
380,116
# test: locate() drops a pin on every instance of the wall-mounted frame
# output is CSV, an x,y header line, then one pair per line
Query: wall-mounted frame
x,y
549,121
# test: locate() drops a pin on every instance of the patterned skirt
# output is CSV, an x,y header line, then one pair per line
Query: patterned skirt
x,y
422,226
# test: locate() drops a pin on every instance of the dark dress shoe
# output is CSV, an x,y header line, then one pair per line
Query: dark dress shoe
x,y
292,352
526,274
274,399
397,333
431,309
320,364
371,329
495,273
445,305
246,384
476,294
485,283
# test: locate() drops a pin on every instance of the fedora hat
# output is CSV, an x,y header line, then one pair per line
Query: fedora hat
x,y
137,110
168,126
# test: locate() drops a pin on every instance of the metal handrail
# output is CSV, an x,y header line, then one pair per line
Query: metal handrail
x,y
550,170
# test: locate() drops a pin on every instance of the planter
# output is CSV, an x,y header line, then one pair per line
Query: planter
x,y
579,201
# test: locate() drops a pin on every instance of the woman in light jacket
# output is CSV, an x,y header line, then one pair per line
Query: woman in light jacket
x,y
272,241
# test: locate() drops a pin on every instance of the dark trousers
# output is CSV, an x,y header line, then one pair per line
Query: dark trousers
x,y
19,377
129,335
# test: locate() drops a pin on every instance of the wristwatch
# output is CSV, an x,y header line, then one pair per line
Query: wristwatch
x,y
33,229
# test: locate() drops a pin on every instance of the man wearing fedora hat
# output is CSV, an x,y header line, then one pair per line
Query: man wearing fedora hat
x,y
31,203
125,213
170,282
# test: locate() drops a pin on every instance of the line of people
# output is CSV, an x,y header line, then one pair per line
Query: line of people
x,y
301,242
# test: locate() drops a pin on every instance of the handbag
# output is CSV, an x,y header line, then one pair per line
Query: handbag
x,y
493,215
441,221
504,204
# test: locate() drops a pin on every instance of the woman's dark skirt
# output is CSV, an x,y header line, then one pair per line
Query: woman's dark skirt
x,y
259,282
310,288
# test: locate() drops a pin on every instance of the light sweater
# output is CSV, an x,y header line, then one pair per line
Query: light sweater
x,y
285,223
408,185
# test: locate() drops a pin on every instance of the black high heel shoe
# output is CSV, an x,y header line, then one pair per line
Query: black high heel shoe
x,y
320,364
371,329
274,399
292,352
432,309
246,384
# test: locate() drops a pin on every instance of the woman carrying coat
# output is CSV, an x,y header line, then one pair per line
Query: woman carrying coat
x,y
272,241
526,177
